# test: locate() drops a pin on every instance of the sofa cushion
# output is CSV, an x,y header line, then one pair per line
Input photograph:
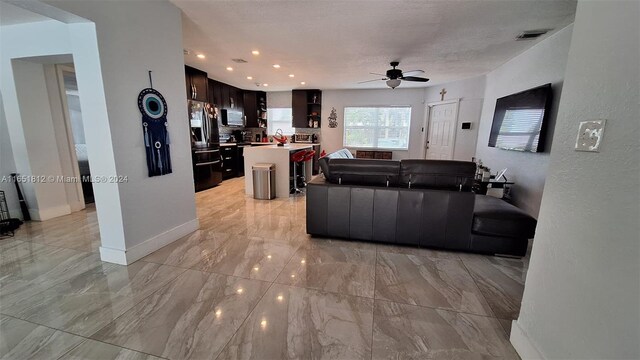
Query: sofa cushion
x,y
492,216
437,174
340,154
364,172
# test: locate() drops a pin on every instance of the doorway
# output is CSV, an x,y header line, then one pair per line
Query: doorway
x,y
442,120
75,126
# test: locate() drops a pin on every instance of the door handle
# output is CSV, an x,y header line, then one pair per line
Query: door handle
x,y
205,151
208,163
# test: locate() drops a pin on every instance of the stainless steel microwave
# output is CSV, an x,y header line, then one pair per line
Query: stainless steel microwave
x,y
232,118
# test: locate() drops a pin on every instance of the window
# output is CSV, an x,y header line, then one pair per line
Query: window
x,y
279,118
377,127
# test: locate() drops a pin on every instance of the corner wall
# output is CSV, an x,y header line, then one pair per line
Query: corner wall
x,y
111,58
582,293
543,63
133,38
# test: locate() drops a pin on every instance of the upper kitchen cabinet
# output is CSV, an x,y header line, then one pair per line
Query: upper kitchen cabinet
x,y
197,84
255,109
231,97
214,93
236,98
305,108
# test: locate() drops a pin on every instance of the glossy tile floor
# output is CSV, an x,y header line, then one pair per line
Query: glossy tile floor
x,y
250,285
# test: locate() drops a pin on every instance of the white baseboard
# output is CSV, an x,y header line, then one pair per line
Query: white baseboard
x,y
522,343
114,256
137,252
77,206
49,213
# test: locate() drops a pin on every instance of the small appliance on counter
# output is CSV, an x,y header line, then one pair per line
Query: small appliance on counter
x,y
305,138
241,136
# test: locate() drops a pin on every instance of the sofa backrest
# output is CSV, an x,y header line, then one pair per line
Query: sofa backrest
x,y
324,161
425,217
364,172
437,174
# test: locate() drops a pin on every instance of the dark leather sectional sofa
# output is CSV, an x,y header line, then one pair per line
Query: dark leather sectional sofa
x,y
427,203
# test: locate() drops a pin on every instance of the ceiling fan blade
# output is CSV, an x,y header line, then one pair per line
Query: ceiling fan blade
x,y
366,81
414,78
378,74
413,71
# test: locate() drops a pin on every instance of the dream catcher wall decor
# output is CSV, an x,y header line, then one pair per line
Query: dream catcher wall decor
x,y
156,132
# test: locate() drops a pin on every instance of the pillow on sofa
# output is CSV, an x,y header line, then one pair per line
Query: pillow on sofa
x,y
437,174
340,154
364,172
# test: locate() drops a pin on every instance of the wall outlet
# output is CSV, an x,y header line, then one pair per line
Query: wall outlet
x,y
590,135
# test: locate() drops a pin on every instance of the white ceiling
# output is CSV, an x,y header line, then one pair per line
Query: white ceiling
x,y
12,15
335,44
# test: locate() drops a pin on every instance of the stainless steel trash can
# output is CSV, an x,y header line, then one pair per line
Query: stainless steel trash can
x,y
264,181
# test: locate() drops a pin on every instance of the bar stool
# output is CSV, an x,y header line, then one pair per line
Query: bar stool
x,y
296,158
308,156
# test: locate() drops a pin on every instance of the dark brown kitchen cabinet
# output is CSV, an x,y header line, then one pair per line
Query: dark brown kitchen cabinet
x,y
250,109
212,96
236,100
306,108
197,84
229,155
217,93
255,109
299,108
224,94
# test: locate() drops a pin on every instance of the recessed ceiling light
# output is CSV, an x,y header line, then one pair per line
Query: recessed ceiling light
x,y
291,75
265,84
229,68
276,66
302,83
255,52
200,56
249,77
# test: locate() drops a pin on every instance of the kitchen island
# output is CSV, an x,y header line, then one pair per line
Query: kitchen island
x,y
278,155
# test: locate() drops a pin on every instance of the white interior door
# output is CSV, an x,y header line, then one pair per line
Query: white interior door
x,y
441,133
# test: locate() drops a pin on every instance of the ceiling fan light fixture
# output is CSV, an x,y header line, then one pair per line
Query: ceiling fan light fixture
x,y
393,83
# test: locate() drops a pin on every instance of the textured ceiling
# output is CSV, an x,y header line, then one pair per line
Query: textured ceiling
x,y
335,44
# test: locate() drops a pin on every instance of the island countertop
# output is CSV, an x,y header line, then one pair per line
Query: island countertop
x,y
289,147
280,156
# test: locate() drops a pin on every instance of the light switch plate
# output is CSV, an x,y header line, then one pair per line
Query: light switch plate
x,y
590,135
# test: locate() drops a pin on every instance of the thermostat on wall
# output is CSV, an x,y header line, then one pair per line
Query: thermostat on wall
x,y
466,125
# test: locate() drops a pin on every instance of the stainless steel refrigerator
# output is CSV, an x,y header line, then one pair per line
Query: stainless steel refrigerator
x,y
205,144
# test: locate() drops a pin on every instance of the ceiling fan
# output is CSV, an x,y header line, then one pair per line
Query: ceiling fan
x,y
395,76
